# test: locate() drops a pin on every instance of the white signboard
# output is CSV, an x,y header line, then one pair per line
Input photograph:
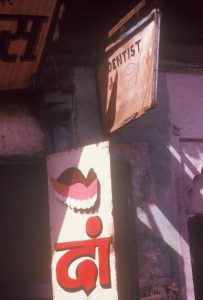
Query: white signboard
x,y
81,222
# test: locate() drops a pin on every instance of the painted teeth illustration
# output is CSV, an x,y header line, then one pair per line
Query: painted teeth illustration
x,y
128,75
76,191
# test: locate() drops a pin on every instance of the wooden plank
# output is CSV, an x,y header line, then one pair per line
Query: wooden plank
x,y
126,18
24,26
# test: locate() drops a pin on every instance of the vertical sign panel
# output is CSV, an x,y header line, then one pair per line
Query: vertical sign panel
x,y
127,77
24,26
81,222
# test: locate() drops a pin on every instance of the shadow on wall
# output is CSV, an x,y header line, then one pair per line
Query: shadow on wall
x,y
157,226
166,171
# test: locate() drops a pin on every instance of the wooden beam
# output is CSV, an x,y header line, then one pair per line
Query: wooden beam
x,y
126,18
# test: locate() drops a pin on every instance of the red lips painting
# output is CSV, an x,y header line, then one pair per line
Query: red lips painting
x,y
75,190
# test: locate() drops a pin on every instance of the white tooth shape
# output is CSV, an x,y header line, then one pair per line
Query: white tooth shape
x,y
89,203
83,204
68,201
77,203
72,204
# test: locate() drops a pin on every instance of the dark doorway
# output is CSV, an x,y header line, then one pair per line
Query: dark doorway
x,y
25,256
195,229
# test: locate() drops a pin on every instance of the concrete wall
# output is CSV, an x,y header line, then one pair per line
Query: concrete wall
x,y
153,199
167,159
166,155
165,151
185,147
88,127
20,132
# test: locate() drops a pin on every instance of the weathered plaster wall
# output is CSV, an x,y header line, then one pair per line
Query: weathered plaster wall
x,y
166,158
165,154
88,128
20,132
71,116
154,201
166,172
186,150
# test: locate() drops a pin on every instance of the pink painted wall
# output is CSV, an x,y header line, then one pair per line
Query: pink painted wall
x,y
186,148
167,156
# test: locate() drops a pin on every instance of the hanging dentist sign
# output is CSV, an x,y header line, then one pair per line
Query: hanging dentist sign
x,y
127,77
